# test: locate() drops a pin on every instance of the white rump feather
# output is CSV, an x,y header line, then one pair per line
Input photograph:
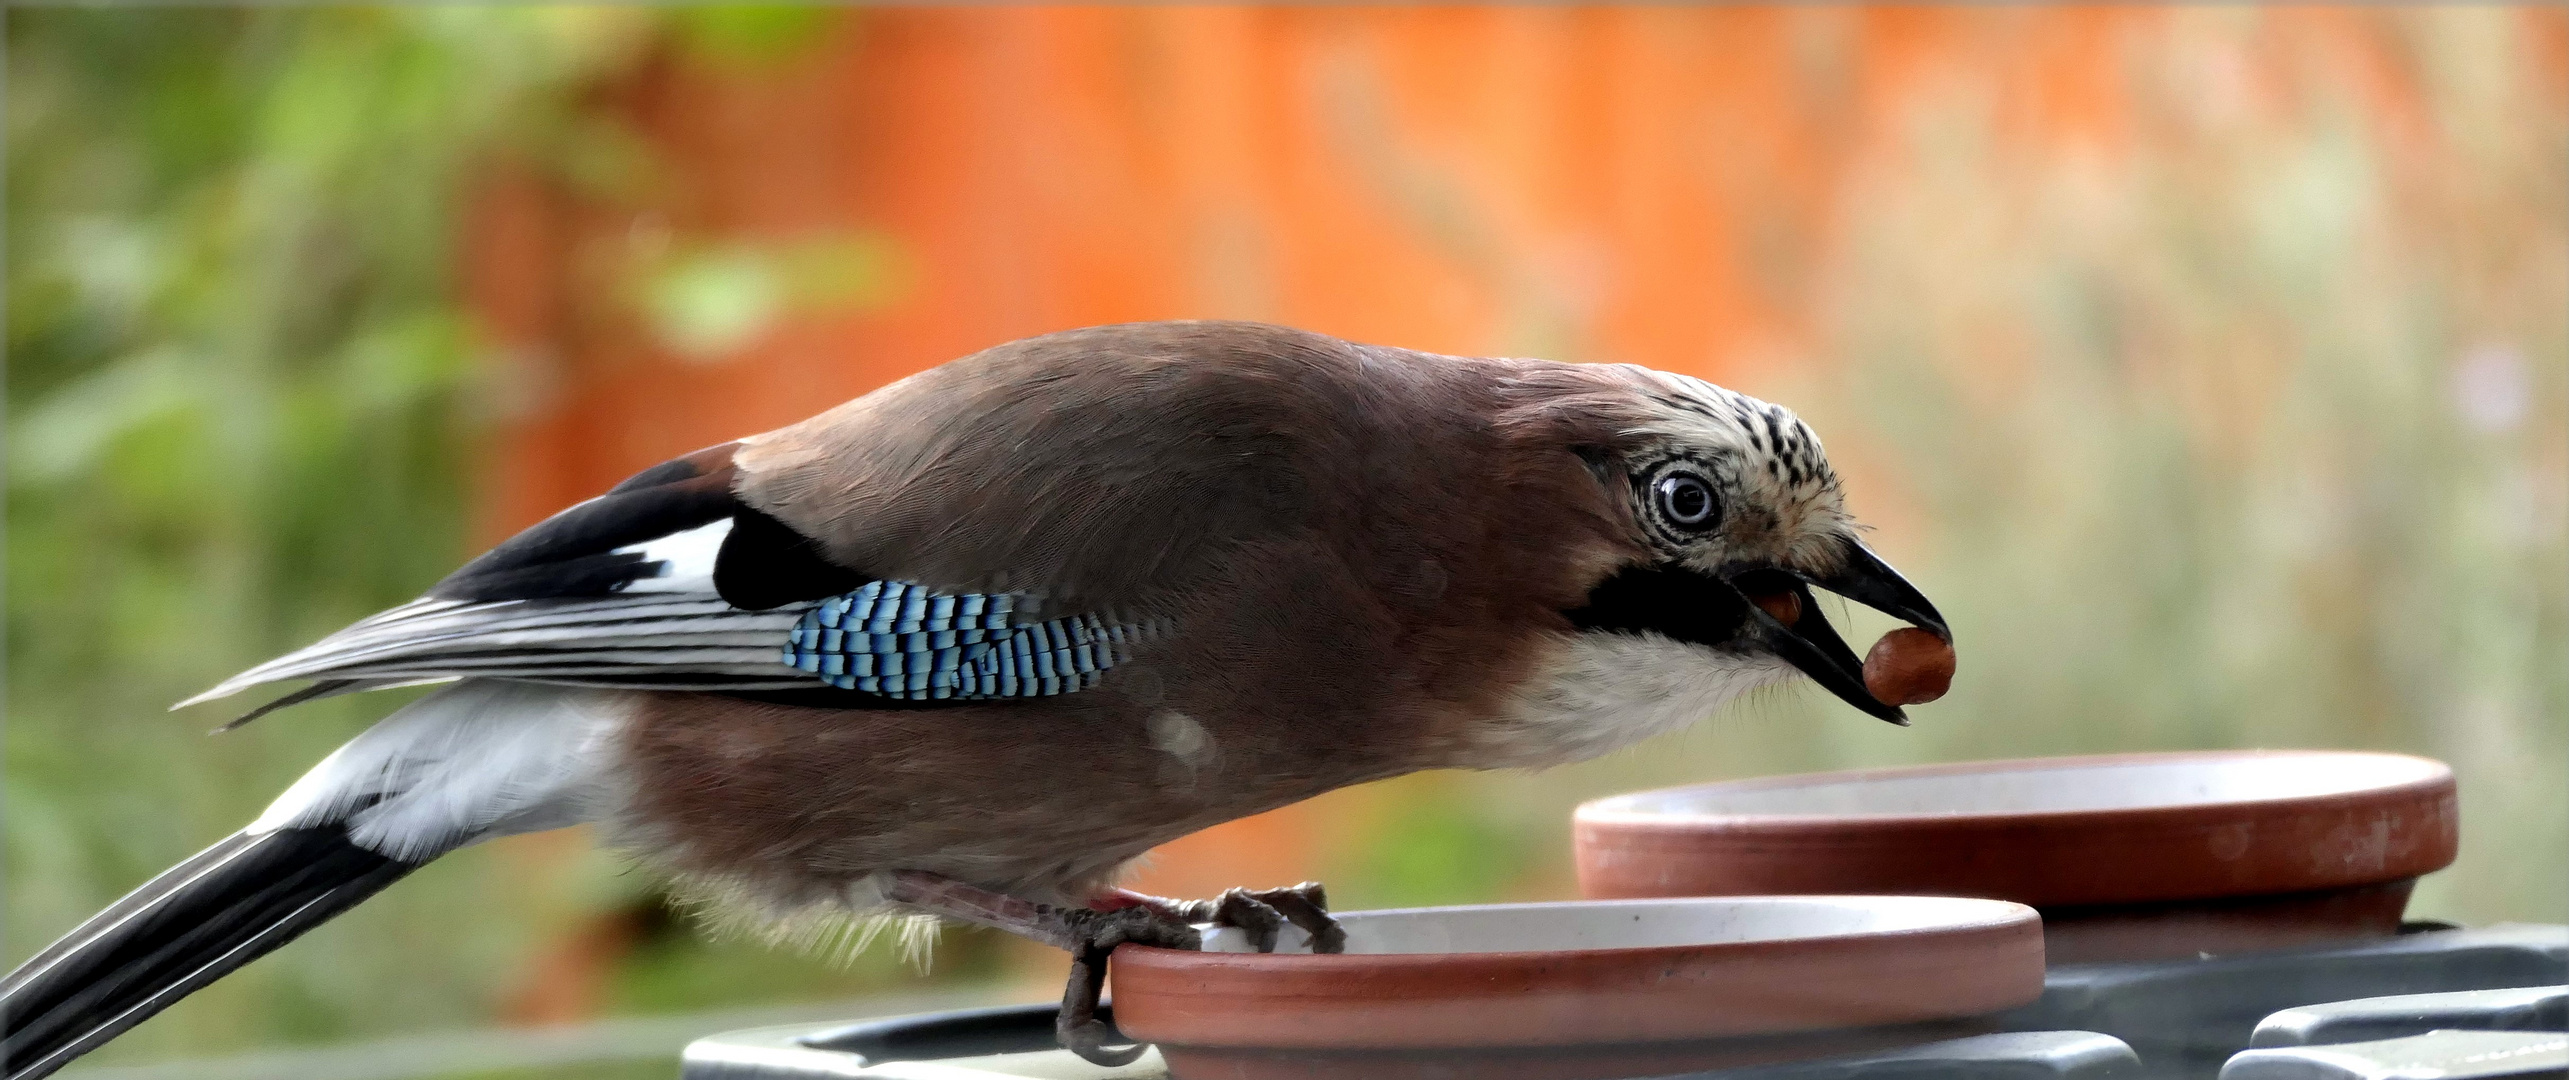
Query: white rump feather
x,y
478,759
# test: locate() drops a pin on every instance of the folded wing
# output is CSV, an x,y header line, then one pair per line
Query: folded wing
x,y
669,582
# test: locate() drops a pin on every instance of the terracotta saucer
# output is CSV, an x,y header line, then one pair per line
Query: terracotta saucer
x,y
1584,989
2129,856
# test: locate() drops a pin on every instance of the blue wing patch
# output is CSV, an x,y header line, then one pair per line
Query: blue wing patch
x,y
904,641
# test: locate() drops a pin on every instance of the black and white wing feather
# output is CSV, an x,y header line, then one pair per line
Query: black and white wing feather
x,y
634,640
618,591
669,582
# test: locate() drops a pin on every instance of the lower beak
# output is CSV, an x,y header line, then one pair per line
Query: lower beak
x,y
1809,643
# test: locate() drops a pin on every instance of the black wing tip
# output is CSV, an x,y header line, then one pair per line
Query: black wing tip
x,y
230,904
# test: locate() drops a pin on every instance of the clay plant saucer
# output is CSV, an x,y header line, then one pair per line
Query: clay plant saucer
x,y
1576,990
2134,856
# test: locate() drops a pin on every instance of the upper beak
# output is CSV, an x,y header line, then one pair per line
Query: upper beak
x,y
1812,645
1864,578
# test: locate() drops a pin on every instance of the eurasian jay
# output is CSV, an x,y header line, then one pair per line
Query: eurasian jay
x,y
968,645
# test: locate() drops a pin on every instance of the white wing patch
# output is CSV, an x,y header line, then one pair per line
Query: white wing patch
x,y
686,559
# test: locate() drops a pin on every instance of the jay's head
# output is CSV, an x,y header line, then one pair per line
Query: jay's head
x,y
1721,515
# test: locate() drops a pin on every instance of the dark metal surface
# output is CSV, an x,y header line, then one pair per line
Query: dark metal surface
x,y
2436,1055
2537,1008
2159,1020
2022,1055
1007,1029
2187,1017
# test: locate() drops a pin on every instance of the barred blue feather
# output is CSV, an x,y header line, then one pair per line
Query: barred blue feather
x,y
905,641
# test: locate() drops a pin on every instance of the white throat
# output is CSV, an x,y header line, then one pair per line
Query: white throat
x,y
1600,692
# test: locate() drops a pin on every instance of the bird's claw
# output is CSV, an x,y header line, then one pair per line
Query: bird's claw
x,y
1096,934
1261,913
1306,906
1167,924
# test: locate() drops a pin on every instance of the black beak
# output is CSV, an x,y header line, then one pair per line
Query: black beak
x,y
1867,580
1814,646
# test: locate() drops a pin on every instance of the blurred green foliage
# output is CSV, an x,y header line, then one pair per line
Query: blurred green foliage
x,y
705,300
242,398
236,415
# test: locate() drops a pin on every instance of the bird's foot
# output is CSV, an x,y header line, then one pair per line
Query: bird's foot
x,y
1097,934
1121,915
1090,934
1259,913
1118,917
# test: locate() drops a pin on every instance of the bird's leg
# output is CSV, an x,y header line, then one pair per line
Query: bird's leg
x,y
1260,913
941,895
1089,934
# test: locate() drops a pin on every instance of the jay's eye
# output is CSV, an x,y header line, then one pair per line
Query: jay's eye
x,y
1686,501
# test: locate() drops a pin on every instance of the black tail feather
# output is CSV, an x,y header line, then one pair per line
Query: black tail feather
x,y
230,904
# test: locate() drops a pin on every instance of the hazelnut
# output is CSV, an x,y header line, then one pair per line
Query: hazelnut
x,y
1909,666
